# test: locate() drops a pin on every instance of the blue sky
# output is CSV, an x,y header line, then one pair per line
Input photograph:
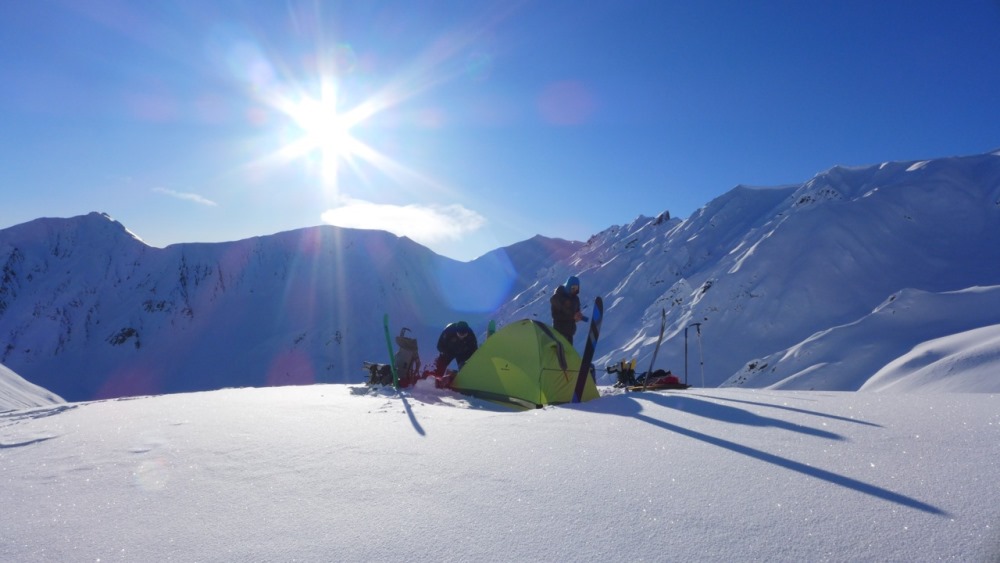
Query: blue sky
x,y
469,125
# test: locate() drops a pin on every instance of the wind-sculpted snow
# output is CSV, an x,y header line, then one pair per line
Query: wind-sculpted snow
x,y
16,393
89,311
967,361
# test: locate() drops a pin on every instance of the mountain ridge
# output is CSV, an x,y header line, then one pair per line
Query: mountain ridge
x,y
90,311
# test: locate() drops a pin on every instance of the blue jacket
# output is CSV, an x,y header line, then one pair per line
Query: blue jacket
x,y
451,345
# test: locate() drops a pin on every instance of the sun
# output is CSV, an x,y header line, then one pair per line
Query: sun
x,y
322,130
318,130
323,126
319,125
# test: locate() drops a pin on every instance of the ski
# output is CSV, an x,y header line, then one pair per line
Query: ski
x,y
588,353
658,387
663,325
392,358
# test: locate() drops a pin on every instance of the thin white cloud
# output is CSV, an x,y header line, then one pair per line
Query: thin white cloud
x,y
186,196
426,224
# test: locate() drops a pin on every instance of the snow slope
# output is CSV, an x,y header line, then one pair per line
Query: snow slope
x,y
897,336
970,360
318,473
16,393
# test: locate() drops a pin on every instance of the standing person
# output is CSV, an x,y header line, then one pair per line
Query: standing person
x,y
565,303
457,342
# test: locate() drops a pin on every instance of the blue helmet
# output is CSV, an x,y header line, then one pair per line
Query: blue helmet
x,y
571,281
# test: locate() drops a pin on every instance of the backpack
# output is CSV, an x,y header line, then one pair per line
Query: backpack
x,y
407,359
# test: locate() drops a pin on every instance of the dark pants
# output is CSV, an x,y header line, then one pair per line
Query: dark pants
x,y
567,331
442,361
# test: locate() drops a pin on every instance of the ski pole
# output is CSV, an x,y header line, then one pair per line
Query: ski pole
x,y
701,356
698,327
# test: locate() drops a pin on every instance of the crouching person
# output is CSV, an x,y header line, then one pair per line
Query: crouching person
x,y
457,343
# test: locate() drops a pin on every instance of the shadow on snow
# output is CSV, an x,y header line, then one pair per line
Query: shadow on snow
x,y
791,409
629,406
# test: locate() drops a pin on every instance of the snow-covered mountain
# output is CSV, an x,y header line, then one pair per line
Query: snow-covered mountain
x,y
787,284
16,393
769,272
90,311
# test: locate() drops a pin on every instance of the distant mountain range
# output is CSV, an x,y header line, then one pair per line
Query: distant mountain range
x,y
821,285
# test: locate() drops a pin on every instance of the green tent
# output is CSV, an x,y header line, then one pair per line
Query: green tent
x,y
526,364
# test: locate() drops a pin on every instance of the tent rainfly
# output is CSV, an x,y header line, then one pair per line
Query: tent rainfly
x,y
526,364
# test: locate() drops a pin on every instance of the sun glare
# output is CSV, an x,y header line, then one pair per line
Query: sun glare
x,y
319,127
323,130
